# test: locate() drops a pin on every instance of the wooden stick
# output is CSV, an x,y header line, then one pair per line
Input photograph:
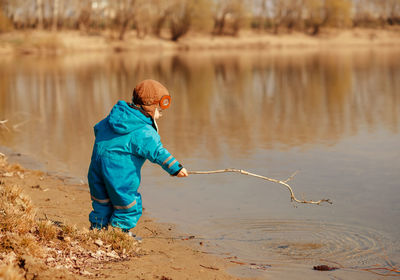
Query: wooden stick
x,y
382,268
209,267
284,183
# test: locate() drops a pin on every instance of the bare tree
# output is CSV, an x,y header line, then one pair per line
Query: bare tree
x,y
161,9
56,4
39,13
337,13
220,13
229,16
394,7
143,17
124,16
202,17
389,11
180,18
287,13
261,13
313,10
5,23
184,15
84,11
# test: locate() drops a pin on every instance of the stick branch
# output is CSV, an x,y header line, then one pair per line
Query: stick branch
x,y
3,125
284,183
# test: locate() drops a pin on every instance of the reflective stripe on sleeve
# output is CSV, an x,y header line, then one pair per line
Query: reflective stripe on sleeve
x,y
172,163
125,207
165,161
100,200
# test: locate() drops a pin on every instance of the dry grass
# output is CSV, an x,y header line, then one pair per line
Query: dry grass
x,y
16,210
53,244
119,241
9,272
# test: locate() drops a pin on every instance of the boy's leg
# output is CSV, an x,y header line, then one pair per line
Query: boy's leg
x,y
102,208
127,216
100,216
121,184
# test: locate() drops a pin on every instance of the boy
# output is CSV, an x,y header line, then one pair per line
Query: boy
x,y
124,140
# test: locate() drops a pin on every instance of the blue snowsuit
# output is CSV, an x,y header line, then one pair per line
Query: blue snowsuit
x,y
124,140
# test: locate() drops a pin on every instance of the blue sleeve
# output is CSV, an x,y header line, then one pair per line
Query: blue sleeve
x,y
149,146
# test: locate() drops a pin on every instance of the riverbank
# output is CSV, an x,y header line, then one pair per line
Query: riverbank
x,y
46,42
53,242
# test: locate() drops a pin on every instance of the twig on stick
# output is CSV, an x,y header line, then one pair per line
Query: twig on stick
x,y
284,183
397,272
385,270
3,125
16,126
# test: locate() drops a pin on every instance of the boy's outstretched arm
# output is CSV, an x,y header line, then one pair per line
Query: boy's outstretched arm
x,y
150,147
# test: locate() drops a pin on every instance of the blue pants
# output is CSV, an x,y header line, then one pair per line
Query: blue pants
x,y
114,195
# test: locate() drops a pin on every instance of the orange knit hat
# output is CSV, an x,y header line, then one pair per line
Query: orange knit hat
x,y
147,94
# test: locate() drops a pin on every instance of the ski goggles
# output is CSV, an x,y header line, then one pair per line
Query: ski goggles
x,y
164,102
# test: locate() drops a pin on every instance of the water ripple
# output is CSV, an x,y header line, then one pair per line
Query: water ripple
x,y
349,245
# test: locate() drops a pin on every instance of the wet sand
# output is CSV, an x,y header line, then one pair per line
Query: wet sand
x,y
165,253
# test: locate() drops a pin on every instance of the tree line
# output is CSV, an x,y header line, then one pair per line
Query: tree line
x,y
176,17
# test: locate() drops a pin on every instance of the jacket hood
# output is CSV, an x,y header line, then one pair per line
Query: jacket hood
x,y
124,119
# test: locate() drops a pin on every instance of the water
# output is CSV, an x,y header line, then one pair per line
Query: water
x,y
332,115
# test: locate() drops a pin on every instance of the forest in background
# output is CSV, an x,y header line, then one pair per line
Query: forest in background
x,y
172,19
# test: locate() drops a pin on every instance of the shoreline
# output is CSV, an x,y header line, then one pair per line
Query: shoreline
x,y
164,252
65,42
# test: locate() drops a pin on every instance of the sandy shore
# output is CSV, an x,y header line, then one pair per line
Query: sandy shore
x,y
163,253
44,42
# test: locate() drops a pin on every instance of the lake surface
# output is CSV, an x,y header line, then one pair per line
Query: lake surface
x,y
334,116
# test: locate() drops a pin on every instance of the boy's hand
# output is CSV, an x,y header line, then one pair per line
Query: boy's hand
x,y
183,173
